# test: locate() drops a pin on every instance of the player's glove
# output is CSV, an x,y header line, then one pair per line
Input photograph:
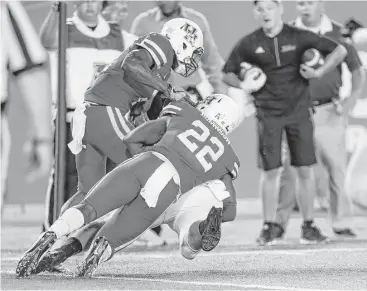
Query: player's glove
x,y
254,80
350,27
136,109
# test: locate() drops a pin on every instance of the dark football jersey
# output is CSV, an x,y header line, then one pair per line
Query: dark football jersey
x,y
110,87
197,148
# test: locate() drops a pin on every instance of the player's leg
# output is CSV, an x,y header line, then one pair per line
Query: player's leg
x,y
125,226
300,135
91,167
190,218
270,139
332,145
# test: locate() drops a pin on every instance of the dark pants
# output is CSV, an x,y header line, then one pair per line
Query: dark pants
x,y
300,138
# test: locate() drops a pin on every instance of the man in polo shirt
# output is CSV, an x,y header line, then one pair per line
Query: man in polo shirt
x,y
330,118
211,62
282,106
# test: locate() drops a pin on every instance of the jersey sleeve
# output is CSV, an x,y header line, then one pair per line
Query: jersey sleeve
x,y
158,47
233,168
19,34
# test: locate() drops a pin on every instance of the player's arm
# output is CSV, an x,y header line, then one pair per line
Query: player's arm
x,y
50,29
146,135
138,66
335,53
230,203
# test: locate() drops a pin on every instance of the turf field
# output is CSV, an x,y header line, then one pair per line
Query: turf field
x,y
236,264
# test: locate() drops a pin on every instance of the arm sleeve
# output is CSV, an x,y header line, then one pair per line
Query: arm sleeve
x,y
157,46
238,55
230,203
310,40
212,62
26,50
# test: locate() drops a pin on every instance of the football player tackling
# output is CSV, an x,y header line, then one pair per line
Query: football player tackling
x,y
139,73
184,148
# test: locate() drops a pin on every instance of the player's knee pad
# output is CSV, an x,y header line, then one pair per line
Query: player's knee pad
x,y
88,211
187,251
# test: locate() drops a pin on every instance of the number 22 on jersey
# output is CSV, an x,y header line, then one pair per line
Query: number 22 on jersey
x,y
203,152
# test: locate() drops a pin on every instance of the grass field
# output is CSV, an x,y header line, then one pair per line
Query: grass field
x,y
236,264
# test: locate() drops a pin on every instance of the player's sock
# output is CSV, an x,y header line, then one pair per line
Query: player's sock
x,y
71,220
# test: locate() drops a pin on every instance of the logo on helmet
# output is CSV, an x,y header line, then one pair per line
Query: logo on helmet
x,y
191,33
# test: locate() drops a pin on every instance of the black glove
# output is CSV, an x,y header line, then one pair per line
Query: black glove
x,y
350,27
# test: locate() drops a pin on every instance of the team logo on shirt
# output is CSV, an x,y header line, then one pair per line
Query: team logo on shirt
x,y
287,48
259,50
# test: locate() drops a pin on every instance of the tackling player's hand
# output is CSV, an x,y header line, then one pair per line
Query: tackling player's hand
x,y
175,93
40,155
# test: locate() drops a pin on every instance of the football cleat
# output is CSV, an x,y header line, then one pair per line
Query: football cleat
x,y
29,261
211,229
55,257
93,258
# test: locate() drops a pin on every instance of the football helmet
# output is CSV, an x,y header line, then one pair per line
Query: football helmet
x,y
186,39
222,110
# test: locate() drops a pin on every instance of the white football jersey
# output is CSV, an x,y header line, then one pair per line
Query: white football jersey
x,y
88,52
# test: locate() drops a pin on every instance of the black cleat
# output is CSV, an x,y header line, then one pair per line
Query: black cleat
x,y
311,234
211,229
55,257
28,263
92,260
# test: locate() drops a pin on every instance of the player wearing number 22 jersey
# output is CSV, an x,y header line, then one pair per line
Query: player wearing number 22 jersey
x,y
185,147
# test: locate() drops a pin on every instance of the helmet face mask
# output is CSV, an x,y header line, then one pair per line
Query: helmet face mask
x,y
186,39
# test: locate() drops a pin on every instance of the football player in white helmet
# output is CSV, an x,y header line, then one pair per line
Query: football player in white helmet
x,y
186,39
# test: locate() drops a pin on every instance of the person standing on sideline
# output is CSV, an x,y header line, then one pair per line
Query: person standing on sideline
x,y
282,105
92,44
330,119
24,58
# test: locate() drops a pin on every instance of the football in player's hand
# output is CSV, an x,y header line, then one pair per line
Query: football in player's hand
x,y
252,77
312,58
